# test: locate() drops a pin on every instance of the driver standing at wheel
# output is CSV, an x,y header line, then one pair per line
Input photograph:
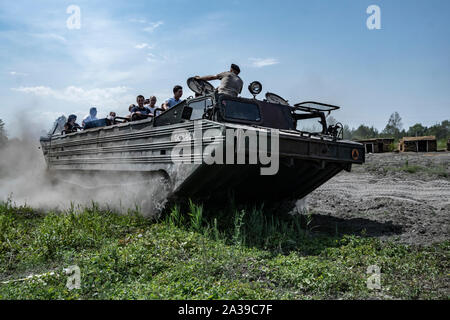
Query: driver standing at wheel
x,y
230,82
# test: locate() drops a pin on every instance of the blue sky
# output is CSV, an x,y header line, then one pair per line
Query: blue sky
x,y
302,50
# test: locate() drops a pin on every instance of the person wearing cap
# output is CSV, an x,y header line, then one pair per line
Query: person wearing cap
x,y
230,82
71,125
92,116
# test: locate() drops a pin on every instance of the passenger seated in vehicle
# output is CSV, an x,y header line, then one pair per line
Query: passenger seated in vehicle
x,y
230,82
172,102
90,117
110,118
152,105
140,112
71,125
128,117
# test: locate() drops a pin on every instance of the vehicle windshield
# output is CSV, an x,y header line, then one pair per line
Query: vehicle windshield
x,y
241,110
309,125
198,108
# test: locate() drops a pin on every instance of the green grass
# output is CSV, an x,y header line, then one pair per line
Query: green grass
x,y
191,253
440,171
442,144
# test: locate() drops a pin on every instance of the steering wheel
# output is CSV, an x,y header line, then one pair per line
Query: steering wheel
x,y
200,86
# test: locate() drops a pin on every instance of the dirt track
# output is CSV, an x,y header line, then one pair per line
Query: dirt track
x,y
378,200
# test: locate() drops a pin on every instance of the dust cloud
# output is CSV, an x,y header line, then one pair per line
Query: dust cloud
x,y
25,181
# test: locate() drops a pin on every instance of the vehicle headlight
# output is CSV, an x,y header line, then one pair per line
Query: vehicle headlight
x,y
255,88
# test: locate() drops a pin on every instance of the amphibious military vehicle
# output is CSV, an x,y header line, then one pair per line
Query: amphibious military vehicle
x,y
211,146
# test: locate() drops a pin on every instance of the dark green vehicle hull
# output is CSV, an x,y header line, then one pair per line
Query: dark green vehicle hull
x,y
140,151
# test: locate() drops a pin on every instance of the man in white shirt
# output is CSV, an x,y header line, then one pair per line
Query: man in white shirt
x,y
90,117
152,105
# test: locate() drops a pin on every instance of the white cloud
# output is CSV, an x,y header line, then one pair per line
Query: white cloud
x,y
153,26
39,91
138,20
98,96
50,36
143,46
160,58
259,62
15,73
151,57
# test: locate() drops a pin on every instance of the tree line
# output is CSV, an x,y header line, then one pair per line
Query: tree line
x,y
394,129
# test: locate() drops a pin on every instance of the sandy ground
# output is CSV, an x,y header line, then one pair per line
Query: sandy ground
x,y
397,205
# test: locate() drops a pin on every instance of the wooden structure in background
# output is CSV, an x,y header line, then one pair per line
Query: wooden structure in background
x,y
418,144
377,145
